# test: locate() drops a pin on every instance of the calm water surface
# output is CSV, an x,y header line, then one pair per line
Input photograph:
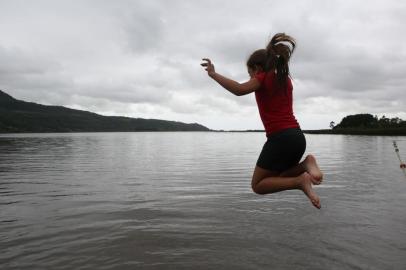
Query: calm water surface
x,y
183,201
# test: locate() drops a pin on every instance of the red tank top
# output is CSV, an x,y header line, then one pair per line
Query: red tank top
x,y
275,103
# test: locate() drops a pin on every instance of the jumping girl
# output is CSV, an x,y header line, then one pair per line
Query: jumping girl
x,y
278,166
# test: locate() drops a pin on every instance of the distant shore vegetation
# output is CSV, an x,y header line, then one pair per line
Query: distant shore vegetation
x,y
366,124
20,116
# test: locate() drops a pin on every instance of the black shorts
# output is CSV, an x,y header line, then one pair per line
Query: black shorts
x,y
282,150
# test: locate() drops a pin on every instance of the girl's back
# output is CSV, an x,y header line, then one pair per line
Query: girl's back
x,y
274,101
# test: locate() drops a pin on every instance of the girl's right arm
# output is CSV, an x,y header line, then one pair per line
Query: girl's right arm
x,y
238,89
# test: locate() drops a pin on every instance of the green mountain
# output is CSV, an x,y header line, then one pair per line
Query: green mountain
x,y
21,116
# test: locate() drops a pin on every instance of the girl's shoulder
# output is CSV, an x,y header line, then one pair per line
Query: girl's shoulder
x,y
260,76
266,74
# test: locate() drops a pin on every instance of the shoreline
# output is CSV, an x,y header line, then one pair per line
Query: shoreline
x,y
348,131
359,131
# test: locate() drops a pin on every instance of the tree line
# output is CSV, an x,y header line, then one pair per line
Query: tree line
x,y
369,121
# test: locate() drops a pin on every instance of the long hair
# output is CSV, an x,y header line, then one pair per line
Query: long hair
x,y
278,55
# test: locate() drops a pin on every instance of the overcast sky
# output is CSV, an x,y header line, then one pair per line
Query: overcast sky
x,y
142,58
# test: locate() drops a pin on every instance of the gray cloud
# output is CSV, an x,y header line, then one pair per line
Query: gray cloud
x,y
141,58
143,27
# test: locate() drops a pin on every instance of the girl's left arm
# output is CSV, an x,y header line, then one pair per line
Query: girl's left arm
x,y
238,89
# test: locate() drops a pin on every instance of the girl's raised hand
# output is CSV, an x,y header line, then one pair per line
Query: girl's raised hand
x,y
209,67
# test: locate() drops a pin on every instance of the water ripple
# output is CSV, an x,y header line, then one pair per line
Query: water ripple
x,y
183,200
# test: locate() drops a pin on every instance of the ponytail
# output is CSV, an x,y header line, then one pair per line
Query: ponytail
x,y
278,55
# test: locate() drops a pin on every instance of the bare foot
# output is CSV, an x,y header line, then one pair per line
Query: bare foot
x,y
312,168
306,187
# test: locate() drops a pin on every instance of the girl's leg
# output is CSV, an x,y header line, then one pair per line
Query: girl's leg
x,y
309,164
265,181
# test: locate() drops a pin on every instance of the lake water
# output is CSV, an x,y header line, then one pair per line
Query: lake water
x,y
181,200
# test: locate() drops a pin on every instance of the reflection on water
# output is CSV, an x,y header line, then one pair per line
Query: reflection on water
x,y
183,201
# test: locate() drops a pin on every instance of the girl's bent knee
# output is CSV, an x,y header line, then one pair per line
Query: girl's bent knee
x,y
257,190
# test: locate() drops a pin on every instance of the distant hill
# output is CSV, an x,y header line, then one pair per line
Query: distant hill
x,y
21,116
